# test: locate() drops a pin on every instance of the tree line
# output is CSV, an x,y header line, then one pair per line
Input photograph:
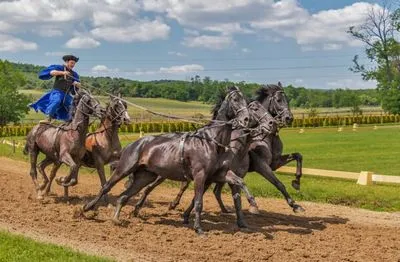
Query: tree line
x,y
205,90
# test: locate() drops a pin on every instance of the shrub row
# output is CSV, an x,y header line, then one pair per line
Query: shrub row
x,y
161,127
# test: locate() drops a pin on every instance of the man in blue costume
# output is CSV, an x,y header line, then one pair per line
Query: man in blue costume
x,y
56,103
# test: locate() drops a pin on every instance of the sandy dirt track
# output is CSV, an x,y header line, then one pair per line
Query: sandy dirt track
x,y
322,233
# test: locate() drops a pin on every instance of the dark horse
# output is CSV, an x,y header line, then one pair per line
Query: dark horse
x,y
265,155
262,124
200,156
61,144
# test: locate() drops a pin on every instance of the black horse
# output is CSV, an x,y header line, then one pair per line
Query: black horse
x,y
200,156
262,125
265,154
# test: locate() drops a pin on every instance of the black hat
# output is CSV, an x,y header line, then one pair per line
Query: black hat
x,y
70,57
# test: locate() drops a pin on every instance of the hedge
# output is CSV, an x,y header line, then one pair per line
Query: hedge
x,y
162,127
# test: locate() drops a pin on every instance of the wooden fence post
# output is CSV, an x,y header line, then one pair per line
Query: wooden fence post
x,y
365,178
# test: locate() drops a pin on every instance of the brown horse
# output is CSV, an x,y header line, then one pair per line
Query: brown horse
x,y
61,144
199,156
103,146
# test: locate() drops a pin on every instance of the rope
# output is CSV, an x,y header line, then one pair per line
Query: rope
x,y
146,109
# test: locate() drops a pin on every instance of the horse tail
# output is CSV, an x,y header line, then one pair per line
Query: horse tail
x,y
26,149
130,156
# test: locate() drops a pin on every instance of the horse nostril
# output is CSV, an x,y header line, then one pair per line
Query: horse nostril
x,y
246,119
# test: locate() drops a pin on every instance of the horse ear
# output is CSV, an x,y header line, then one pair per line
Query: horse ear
x,y
119,95
279,84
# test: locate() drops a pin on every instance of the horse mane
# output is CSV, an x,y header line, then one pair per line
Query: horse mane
x,y
266,90
75,103
220,99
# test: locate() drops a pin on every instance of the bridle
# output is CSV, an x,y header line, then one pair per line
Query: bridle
x,y
82,101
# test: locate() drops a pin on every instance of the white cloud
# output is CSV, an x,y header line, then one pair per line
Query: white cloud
x,y
5,27
54,54
181,69
332,46
191,32
323,30
12,44
102,70
351,83
138,31
176,53
50,32
246,50
208,41
82,42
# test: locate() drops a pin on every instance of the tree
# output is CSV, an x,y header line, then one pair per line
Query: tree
x,y
13,105
379,34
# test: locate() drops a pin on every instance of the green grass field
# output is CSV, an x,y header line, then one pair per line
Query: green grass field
x,y
16,248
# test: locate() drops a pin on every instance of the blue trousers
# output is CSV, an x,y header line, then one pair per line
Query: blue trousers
x,y
55,104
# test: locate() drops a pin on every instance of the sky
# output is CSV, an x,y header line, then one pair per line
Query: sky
x,y
298,42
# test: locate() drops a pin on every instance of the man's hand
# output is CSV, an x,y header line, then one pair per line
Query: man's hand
x,y
65,73
76,84
60,73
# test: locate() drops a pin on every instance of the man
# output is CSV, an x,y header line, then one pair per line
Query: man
x,y
56,103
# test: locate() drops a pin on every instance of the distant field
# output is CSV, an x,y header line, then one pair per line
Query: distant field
x,y
190,109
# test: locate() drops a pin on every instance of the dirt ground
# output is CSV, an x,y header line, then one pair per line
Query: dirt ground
x,y
322,233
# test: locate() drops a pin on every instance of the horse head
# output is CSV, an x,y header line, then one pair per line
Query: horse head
x,y
232,105
273,98
85,103
261,119
117,111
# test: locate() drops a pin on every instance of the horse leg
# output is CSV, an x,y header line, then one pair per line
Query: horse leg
x,y
142,179
186,214
263,169
199,183
285,159
42,170
33,172
175,203
53,173
238,206
217,193
146,192
71,179
100,171
119,173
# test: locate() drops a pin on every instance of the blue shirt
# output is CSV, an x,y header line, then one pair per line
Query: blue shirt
x,y
45,73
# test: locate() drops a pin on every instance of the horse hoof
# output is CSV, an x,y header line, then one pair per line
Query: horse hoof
x,y
254,210
72,182
40,197
135,213
298,209
242,224
109,206
185,221
60,180
116,221
200,232
171,207
296,185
